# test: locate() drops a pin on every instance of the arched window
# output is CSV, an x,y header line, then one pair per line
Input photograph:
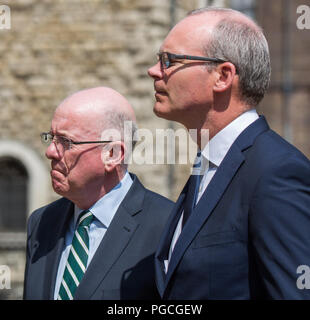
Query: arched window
x,y
13,195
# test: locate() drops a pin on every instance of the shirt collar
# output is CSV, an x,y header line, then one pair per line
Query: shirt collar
x,y
218,146
105,208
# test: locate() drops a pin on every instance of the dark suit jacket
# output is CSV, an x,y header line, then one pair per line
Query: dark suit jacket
x,y
123,265
250,230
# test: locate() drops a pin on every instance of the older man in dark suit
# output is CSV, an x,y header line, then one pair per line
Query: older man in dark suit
x,y
98,240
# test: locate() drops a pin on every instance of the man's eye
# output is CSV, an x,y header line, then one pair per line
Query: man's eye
x,y
174,61
47,138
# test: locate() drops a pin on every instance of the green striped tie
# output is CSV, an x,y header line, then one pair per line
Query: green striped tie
x,y
77,260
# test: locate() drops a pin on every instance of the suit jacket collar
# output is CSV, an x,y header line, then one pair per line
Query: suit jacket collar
x,y
165,241
119,234
57,232
217,148
224,174
105,208
117,237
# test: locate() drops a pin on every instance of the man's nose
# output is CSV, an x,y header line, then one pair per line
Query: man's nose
x,y
155,71
52,152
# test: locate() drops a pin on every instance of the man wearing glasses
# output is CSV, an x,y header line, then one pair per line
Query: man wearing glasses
x,y
98,240
240,228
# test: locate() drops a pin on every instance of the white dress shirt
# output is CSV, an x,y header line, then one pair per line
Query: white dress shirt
x,y
103,210
212,156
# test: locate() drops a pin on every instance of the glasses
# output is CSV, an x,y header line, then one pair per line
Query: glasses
x,y
65,143
166,59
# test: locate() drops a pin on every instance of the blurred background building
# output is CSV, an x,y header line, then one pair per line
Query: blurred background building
x,y
57,47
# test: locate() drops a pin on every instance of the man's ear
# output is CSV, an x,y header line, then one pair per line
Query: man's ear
x,y
112,155
225,74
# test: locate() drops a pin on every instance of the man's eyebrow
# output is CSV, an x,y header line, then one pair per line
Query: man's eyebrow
x,y
61,134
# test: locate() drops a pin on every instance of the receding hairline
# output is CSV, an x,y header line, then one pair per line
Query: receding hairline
x,y
225,13
99,100
238,38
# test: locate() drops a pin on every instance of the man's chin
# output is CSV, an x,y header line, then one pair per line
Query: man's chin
x,y
59,189
160,112
164,113
59,184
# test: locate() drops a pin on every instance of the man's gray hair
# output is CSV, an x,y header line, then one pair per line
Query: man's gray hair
x,y
244,46
126,128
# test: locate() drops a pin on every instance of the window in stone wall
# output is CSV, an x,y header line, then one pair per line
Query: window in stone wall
x,y
13,195
245,6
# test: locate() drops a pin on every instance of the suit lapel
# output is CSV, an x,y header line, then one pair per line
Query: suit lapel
x,y
205,206
165,241
56,245
168,233
224,174
114,242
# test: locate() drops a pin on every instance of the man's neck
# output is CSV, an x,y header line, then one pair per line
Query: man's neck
x,y
215,123
90,195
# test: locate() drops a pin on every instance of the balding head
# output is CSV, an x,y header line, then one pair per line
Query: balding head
x,y
221,13
85,166
231,36
217,67
95,105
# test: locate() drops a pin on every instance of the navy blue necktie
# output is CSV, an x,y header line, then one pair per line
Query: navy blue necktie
x,y
192,190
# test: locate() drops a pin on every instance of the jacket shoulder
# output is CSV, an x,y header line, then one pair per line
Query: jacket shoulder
x,y
158,199
271,151
274,145
149,201
45,211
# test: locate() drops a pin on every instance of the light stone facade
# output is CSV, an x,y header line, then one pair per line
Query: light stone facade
x,y
57,47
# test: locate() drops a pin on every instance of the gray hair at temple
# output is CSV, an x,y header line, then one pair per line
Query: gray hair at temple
x,y
244,46
124,126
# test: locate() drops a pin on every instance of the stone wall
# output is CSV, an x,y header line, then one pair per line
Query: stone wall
x,y
57,47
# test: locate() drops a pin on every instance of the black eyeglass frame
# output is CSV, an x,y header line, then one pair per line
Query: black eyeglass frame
x,y
170,56
70,141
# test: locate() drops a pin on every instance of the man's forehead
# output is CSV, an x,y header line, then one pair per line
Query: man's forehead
x,y
67,116
78,111
74,128
191,31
